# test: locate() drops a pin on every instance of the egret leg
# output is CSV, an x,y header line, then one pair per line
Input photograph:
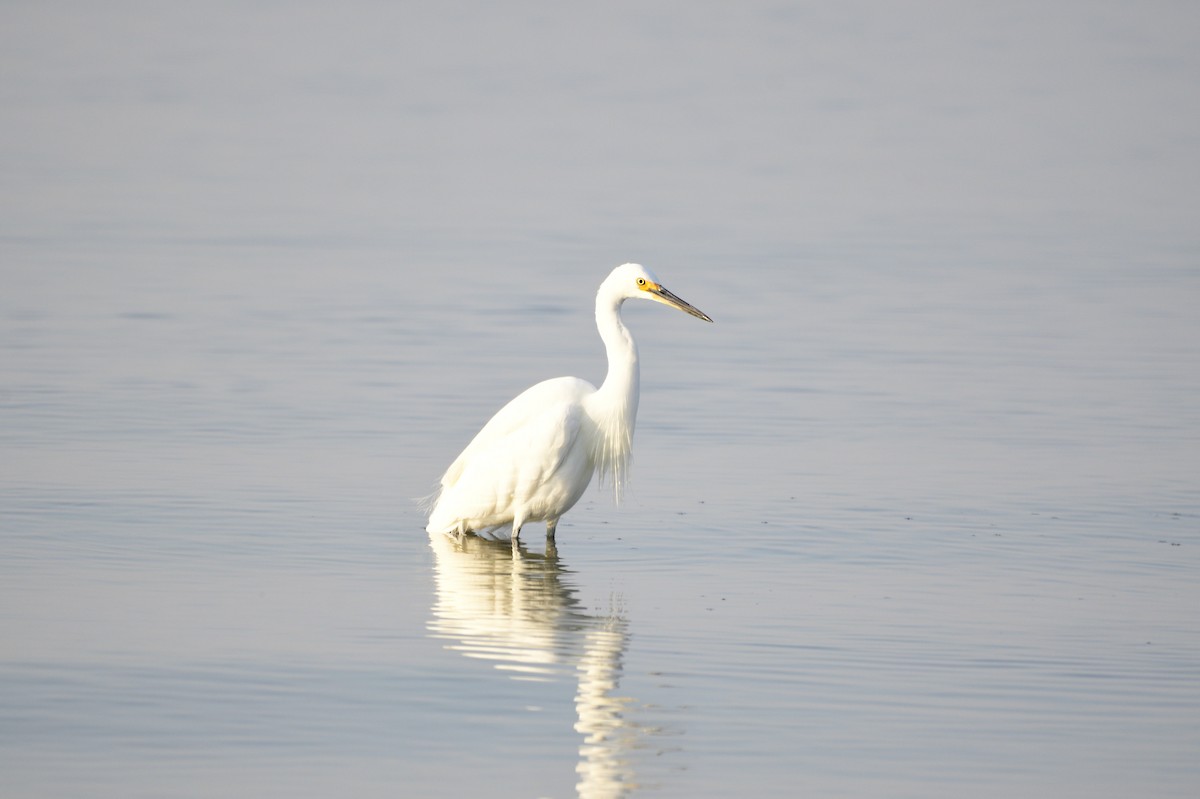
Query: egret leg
x,y
551,526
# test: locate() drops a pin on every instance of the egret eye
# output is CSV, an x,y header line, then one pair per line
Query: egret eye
x,y
641,281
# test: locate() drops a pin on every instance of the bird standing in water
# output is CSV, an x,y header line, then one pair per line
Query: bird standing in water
x,y
534,459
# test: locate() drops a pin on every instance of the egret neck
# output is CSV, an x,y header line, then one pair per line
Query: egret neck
x,y
613,408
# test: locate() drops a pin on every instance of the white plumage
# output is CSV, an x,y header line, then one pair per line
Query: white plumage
x,y
534,459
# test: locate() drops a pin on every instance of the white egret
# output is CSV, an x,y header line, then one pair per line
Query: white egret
x,y
533,460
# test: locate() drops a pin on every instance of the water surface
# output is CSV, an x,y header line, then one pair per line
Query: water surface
x,y
917,516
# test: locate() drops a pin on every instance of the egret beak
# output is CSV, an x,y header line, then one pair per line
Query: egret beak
x,y
660,294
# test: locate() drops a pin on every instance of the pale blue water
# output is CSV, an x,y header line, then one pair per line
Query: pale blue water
x,y
917,516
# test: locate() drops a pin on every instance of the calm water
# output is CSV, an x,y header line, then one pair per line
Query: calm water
x,y
918,516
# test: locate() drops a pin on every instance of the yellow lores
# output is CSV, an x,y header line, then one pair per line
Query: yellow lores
x,y
533,460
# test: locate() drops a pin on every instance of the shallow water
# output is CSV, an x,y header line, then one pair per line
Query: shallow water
x,y
917,516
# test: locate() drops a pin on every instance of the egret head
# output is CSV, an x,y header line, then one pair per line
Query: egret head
x,y
634,281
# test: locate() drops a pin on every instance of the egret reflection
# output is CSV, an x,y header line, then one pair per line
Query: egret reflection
x,y
497,601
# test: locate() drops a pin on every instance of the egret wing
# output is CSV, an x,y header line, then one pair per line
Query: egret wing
x,y
515,474
519,462
520,412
